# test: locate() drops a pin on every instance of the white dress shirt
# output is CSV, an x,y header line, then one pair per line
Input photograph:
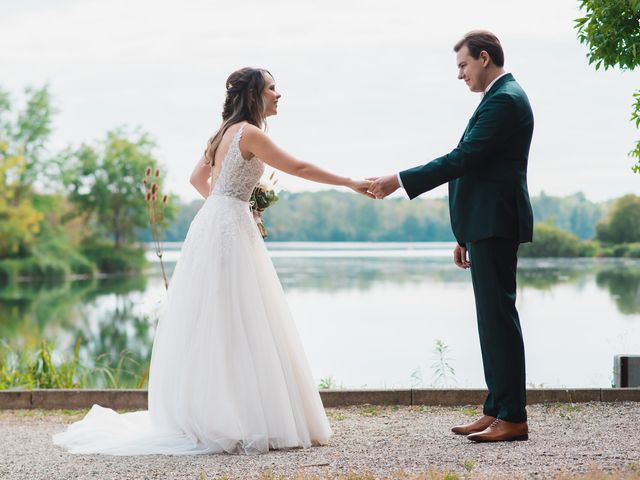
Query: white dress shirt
x,y
494,81
483,94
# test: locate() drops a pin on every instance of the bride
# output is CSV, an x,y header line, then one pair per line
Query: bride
x,y
228,371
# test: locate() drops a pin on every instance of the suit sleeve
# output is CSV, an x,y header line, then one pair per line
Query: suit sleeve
x,y
474,150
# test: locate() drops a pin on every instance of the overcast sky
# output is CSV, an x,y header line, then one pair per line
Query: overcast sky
x,y
369,87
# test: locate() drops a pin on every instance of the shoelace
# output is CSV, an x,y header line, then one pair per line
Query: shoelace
x,y
495,422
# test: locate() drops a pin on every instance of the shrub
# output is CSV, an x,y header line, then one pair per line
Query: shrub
x,y
633,250
589,248
81,265
33,268
49,260
115,260
623,223
550,241
619,250
43,267
629,250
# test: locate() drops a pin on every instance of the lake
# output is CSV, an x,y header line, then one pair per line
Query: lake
x,y
369,314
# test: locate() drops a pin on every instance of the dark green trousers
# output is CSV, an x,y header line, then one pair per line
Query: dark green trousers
x,y
493,273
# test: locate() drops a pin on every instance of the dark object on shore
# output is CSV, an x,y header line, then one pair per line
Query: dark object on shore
x,y
626,371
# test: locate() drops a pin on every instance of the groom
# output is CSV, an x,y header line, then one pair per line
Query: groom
x,y
490,216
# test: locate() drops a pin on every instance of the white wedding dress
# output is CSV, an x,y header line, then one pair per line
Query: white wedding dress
x,y
228,371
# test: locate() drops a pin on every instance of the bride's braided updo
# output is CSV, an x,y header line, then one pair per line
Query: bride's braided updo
x,y
243,103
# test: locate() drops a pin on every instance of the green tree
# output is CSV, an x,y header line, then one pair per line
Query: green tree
x,y
33,242
342,216
611,31
19,220
27,132
623,223
573,213
105,183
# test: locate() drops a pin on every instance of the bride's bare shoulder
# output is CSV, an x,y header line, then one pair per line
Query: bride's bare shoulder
x,y
252,131
254,140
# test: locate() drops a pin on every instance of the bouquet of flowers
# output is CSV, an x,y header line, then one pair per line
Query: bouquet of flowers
x,y
263,196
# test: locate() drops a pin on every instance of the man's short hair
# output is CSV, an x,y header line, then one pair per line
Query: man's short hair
x,y
479,40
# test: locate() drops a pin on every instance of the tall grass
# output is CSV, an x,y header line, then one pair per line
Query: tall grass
x,y
444,375
21,369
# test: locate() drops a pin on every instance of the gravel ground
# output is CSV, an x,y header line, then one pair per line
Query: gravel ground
x,y
378,440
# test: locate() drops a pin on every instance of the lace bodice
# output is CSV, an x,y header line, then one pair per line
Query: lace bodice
x,y
238,177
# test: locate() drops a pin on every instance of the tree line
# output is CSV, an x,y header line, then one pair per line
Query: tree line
x,y
71,212
82,210
336,216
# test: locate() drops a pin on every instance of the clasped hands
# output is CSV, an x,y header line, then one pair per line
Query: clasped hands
x,y
377,187
380,187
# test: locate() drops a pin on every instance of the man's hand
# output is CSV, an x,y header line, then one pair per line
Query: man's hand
x,y
383,186
460,257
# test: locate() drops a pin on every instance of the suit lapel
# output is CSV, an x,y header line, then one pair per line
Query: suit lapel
x,y
494,88
471,120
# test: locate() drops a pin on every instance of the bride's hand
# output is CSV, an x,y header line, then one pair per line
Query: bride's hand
x,y
361,187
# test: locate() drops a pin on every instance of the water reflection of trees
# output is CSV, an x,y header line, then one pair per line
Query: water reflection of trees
x,y
61,312
334,274
106,315
624,286
27,310
119,338
36,306
545,277
622,279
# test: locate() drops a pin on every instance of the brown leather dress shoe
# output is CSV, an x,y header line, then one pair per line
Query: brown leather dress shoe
x,y
477,426
502,431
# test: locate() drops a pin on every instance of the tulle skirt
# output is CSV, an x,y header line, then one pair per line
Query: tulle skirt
x,y
228,371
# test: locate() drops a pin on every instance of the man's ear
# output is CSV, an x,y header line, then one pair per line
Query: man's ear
x,y
485,57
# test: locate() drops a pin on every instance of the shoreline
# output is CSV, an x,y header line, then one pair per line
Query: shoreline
x,y
51,399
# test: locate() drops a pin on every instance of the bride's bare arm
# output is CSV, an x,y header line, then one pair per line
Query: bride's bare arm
x,y
201,178
261,146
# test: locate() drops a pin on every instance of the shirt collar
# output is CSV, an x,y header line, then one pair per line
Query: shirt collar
x,y
494,81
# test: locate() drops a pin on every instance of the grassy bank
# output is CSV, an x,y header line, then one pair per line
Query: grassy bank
x,y
550,241
21,368
55,262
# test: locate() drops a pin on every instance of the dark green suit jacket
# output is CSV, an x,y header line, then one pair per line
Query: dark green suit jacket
x,y
487,171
